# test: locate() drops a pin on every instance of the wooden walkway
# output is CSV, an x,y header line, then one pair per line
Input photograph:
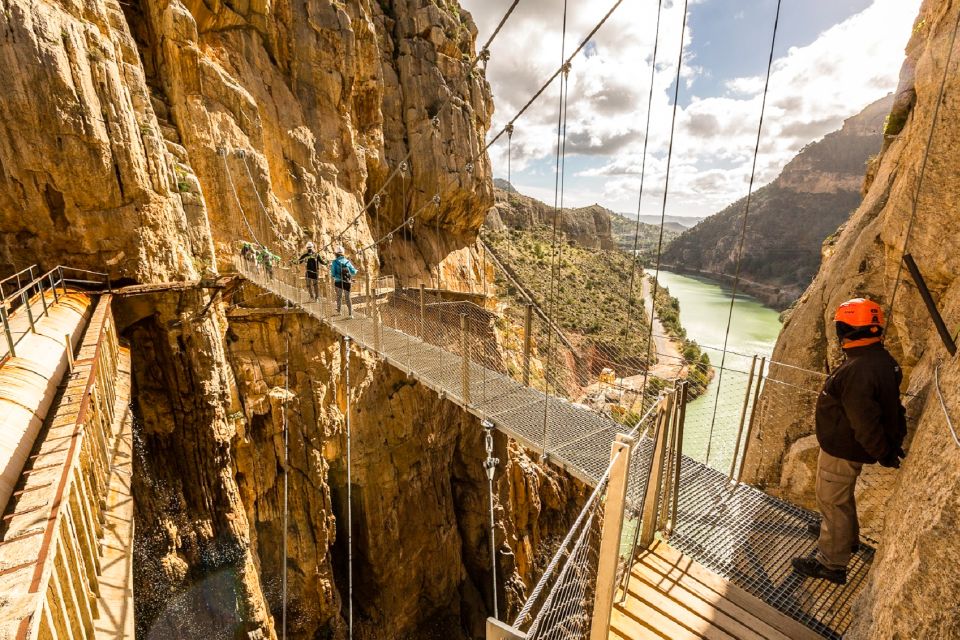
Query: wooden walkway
x,y
672,597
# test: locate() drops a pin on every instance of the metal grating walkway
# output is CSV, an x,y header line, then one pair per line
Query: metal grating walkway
x,y
743,534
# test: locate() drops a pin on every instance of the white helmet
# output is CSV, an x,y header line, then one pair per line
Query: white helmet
x,y
311,246
340,250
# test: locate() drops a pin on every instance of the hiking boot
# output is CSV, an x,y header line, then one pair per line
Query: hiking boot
x,y
813,528
811,568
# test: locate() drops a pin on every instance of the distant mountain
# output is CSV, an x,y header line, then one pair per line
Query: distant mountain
x,y
624,228
674,223
791,217
593,227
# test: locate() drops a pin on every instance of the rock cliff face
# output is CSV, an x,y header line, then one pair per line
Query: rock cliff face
x,y
915,567
790,217
587,226
147,139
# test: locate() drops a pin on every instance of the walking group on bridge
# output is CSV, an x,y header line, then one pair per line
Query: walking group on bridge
x,y
342,270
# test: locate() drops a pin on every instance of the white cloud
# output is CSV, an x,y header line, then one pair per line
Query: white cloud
x,y
812,90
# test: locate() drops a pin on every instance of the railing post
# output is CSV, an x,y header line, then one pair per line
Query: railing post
x,y
681,409
63,283
465,359
743,418
610,537
53,286
6,330
423,313
753,416
26,303
68,345
527,342
666,501
375,314
651,499
43,298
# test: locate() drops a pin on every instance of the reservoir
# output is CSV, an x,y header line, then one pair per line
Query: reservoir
x,y
704,307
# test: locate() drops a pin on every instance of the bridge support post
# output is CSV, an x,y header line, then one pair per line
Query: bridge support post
x,y
753,416
423,313
68,347
43,298
527,341
651,499
465,360
6,330
743,417
610,537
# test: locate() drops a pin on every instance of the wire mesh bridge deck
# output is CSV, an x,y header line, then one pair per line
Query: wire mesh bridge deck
x,y
743,534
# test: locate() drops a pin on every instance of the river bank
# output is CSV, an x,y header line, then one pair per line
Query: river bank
x,y
754,327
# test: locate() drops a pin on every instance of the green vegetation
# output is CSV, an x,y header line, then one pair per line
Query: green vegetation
x,y
591,288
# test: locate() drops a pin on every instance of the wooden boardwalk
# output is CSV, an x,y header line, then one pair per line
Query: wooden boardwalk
x,y
672,597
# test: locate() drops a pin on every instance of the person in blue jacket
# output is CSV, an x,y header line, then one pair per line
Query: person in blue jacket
x,y
342,271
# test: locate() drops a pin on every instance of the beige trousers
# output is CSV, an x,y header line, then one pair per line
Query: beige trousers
x,y
839,529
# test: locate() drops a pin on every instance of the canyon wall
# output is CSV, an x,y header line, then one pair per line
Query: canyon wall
x,y
147,139
910,589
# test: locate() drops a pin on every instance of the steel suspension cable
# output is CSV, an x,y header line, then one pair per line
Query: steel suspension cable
x,y
666,190
483,54
743,230
561,140
236,197
346,351
636,231
923,167
286,474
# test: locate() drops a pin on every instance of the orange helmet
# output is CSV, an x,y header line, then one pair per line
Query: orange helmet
x,y
859,319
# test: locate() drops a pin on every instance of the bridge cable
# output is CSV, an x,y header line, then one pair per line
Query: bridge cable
x,y
923,168
743,231
943,405
509,126
346,351
557,189
483,54
286,473
636,231
222,152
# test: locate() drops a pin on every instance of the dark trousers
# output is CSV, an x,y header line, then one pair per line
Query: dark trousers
x,y
313,285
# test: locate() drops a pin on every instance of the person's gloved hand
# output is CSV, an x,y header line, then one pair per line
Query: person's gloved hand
x,y
892,459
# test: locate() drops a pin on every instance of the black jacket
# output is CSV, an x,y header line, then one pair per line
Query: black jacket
x,y
859,415
313,260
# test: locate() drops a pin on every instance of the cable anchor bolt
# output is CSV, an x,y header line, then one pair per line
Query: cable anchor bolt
x,y
436,199
403,167
435,121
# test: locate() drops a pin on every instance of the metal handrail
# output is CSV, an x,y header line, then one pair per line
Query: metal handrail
x,y
53,280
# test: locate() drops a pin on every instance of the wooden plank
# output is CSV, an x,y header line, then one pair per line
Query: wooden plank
x,y
625,627
751,604
681,581
698,621
670,596
653,618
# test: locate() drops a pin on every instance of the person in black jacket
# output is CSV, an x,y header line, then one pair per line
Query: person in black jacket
x,y
312,260
859,421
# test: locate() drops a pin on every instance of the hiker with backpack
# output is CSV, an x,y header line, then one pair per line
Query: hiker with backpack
x,y
342,271
312,260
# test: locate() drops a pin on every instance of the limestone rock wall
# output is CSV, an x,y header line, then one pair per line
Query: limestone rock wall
x,y
149,137
915,569
419,492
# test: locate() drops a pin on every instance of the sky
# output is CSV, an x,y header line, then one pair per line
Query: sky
x,y
832,58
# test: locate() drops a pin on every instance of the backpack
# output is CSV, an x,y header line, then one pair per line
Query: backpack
x,y
344,272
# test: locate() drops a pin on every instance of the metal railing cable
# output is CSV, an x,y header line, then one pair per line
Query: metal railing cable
x,y
943,404
236,197
286,484
746,212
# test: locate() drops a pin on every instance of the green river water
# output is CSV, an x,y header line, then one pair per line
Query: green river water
x,y
704,306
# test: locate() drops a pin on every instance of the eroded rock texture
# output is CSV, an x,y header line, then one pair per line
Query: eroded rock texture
x,y
912,586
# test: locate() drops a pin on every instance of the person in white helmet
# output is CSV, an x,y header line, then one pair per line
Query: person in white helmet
x,y
312,260
342,271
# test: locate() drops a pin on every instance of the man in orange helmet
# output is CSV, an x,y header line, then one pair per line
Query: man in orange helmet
x,y
859,421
